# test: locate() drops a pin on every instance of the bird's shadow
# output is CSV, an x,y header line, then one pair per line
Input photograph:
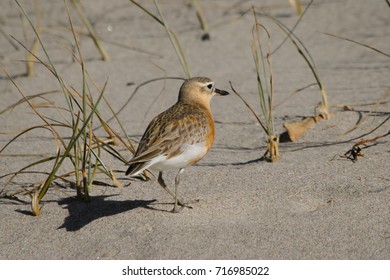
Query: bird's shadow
x,y
82,213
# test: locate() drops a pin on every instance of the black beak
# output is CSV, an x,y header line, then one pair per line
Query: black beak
x,y
221,92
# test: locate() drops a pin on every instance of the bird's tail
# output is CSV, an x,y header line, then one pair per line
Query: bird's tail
x,y
137,168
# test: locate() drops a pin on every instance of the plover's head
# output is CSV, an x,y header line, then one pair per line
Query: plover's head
x,y
199,89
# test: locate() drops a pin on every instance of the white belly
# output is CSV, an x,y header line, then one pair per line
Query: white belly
x,y
189,154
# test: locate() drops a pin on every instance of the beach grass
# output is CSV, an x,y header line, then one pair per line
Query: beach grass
x,y
79,145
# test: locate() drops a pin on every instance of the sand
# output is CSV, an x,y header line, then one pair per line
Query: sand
x,y
311,204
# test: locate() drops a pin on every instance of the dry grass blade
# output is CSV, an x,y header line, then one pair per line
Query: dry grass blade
x,y
50,65
306,56
202,21
296,4
34,49
375,50
365,141
109,131
295,25
55,133
377,127
359,43
172,36
36,57
114,179
22,100
9,39
35,206
199,14
175,43
20,171
292,94
132,95
147,12
249,107
91,31
37,36
23,132
374,105
303,51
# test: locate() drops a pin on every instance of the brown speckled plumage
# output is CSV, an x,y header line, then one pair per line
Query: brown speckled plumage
x,y
183,123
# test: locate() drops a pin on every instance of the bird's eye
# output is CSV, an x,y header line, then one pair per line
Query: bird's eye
x,y
210,86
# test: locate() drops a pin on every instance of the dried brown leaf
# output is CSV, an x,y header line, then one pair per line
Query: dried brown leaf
x,y
297,129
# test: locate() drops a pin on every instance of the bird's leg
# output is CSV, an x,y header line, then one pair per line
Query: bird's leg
x,y
177,182
162,184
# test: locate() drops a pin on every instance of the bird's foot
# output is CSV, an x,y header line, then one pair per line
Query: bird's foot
x,y
183,204
177,209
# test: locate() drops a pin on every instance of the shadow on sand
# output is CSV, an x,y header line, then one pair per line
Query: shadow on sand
x,y
82,213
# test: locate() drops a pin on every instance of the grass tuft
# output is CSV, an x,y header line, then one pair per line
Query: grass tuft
x,y
84,149
265,87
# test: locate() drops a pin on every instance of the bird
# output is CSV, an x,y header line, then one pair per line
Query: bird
x,y
178,137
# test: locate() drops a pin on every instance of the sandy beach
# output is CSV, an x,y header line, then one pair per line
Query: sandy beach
x,y
312,203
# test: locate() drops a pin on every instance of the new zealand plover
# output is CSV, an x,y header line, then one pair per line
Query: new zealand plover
x,y
180,136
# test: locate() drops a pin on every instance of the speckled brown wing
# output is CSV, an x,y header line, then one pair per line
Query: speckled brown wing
x,y
166,133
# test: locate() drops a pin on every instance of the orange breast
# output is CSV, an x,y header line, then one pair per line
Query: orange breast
x,y
211,132
209,139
